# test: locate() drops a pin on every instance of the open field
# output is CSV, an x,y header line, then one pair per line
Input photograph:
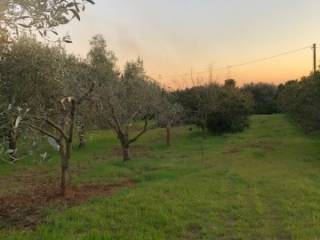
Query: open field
x,y
263,183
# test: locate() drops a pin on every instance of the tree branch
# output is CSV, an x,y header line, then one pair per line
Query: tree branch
x,y
143,131
116,121
45,132
86,95
53,125
72,119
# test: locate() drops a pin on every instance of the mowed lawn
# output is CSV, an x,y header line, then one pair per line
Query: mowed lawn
x,y
263,183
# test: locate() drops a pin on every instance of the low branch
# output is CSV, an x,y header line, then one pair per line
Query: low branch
x,y
113,116
143,131
44,132
86,95
53,125
114,128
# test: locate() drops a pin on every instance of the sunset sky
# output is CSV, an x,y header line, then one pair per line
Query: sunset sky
x,y
175,36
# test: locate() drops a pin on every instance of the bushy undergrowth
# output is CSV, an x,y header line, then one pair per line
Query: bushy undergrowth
x,y
230,111
264,97
216,108
301,101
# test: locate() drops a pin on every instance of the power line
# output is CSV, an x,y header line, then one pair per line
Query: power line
x,y
229,67
269,58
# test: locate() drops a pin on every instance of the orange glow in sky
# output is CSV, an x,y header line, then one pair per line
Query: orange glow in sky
x,y
175,36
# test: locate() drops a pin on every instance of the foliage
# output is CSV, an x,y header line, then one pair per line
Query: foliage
x,y
31,78
52,85
229,111
264,96
169,114
301,101
231,83
187,99
31,74
216,108
40,16
102,60
127,99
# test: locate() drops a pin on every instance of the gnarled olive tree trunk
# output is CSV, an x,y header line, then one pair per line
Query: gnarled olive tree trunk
x,y
125,141
125,149
12,139
81,136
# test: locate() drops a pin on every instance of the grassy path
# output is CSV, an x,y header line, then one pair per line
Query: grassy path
x,y
263,183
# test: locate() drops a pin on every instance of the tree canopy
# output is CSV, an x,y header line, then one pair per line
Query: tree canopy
x,y
41,16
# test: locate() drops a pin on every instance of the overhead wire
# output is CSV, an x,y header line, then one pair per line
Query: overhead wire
x,y
229,67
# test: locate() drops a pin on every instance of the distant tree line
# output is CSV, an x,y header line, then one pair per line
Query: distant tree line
x,y
226,108
264,96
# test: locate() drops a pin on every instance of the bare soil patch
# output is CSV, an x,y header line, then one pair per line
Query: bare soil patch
x,y
27,209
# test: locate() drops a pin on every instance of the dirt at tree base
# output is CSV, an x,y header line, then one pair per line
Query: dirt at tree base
x,y
28,209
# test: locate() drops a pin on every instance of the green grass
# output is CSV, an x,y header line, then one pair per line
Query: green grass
x,y
263,183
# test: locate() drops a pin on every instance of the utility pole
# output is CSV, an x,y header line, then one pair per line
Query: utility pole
x,y
314,48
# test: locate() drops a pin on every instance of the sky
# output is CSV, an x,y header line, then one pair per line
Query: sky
x,y
177,37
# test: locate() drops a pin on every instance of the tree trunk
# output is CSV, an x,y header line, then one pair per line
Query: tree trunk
x,y
65,176
125,152
12,145
82,141
205,133
81,133
168,137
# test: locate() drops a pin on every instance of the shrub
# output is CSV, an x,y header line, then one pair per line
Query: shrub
x,y
230,111
301,101
216,108
264,97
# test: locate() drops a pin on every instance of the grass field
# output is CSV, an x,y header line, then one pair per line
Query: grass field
x,y
263,183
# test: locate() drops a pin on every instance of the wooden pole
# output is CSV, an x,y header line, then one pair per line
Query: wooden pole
x,y
314,48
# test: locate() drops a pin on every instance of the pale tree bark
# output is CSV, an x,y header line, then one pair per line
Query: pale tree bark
x,y
66,146
81,134
12,144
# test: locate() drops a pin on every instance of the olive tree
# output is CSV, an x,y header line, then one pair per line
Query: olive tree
x,y
29,79
60,130
52,85
169,114
123,102
79,75
59,123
